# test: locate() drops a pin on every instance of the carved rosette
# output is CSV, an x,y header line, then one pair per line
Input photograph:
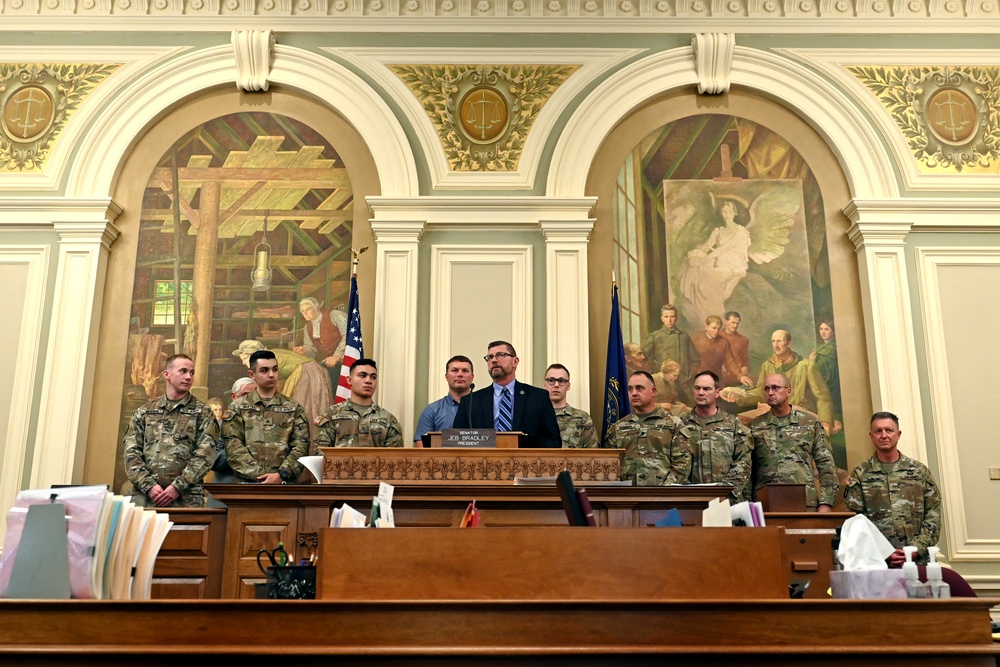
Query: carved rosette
x,y
949,115
36,102
433,466
483,113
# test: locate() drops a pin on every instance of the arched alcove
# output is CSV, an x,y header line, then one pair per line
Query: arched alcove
x,y
280,150
697,127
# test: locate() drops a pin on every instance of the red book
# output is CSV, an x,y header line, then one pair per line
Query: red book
x,y
588,511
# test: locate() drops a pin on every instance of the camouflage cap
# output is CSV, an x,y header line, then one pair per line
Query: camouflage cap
x,y
248,347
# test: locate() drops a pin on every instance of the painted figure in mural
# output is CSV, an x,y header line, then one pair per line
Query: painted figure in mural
x,y
740,345
712,269
635,359
299,376
665,382
670,342
824,356
324,337
170,443
716,352
325,334
808,391
222,471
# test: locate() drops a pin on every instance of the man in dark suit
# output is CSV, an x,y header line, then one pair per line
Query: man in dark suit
x,y
508,405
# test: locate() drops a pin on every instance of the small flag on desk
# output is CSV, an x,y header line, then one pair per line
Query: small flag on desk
x,y
615,393
354,348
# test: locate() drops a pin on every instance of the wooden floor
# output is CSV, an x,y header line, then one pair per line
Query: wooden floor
x,y
314,632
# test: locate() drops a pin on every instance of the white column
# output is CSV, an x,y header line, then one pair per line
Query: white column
x,y
879,235
567,302
85,235
397,243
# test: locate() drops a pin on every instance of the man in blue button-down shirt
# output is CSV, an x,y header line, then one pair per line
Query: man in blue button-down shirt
x,y
441,413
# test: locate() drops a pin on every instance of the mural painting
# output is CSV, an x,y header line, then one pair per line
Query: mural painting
x,y
244,244
722,219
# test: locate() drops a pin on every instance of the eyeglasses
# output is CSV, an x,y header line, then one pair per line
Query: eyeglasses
x,y
498,355
774,387
558,381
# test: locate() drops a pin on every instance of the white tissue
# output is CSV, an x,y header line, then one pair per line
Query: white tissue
x,y
862,545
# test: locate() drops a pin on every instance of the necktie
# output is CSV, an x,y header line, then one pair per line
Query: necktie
x,y
505,417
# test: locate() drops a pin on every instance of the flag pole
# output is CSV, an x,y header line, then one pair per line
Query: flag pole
x,y
354,348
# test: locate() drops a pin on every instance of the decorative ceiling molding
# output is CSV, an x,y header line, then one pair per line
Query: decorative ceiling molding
x,y
509,16
132,60
376,63
835,64
37,100
123,119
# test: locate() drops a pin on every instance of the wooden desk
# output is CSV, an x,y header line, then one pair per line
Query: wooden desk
x,y
553,564
939,633
189,565
261,516
809,541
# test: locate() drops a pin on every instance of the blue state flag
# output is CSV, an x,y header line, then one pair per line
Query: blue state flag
x,y
615,394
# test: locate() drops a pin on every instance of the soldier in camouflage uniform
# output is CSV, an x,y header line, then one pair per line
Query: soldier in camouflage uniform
x,y
896,492
657,446
720,442
788,445
265,432
170,442
358,421
575,426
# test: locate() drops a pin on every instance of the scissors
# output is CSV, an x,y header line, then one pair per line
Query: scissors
x,y
278,557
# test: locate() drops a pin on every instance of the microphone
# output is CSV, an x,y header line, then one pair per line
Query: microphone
x,y
472,387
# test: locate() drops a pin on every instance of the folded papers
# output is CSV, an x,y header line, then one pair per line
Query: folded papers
x,y
111,543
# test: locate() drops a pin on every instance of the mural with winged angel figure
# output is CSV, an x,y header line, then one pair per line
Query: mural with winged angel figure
x,y
722,218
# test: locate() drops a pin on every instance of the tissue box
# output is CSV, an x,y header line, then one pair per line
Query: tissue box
x,y
868,584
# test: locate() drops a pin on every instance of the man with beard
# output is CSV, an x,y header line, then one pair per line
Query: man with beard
x,y
509,405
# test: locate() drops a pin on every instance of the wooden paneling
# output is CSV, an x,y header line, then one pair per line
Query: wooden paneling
x,y
546,563
317,632
189,565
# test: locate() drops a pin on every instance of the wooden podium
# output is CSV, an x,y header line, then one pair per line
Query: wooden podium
x,y
491,465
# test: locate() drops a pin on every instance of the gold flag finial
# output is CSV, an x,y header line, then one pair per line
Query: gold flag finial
x,y
356,254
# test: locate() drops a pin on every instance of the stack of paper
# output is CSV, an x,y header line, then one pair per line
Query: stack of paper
x,y
112,543
348,517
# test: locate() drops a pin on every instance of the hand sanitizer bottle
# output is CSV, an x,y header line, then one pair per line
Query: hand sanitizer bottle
x,y
914,588
935,584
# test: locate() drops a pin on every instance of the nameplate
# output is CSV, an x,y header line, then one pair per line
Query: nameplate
x,y
468,437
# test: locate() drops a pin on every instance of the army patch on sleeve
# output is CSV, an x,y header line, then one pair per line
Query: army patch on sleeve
x,y
227,414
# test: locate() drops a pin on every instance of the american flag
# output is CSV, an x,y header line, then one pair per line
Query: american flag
x,y
354,349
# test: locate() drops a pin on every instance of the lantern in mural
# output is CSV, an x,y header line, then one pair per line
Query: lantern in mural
x,y
261,276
